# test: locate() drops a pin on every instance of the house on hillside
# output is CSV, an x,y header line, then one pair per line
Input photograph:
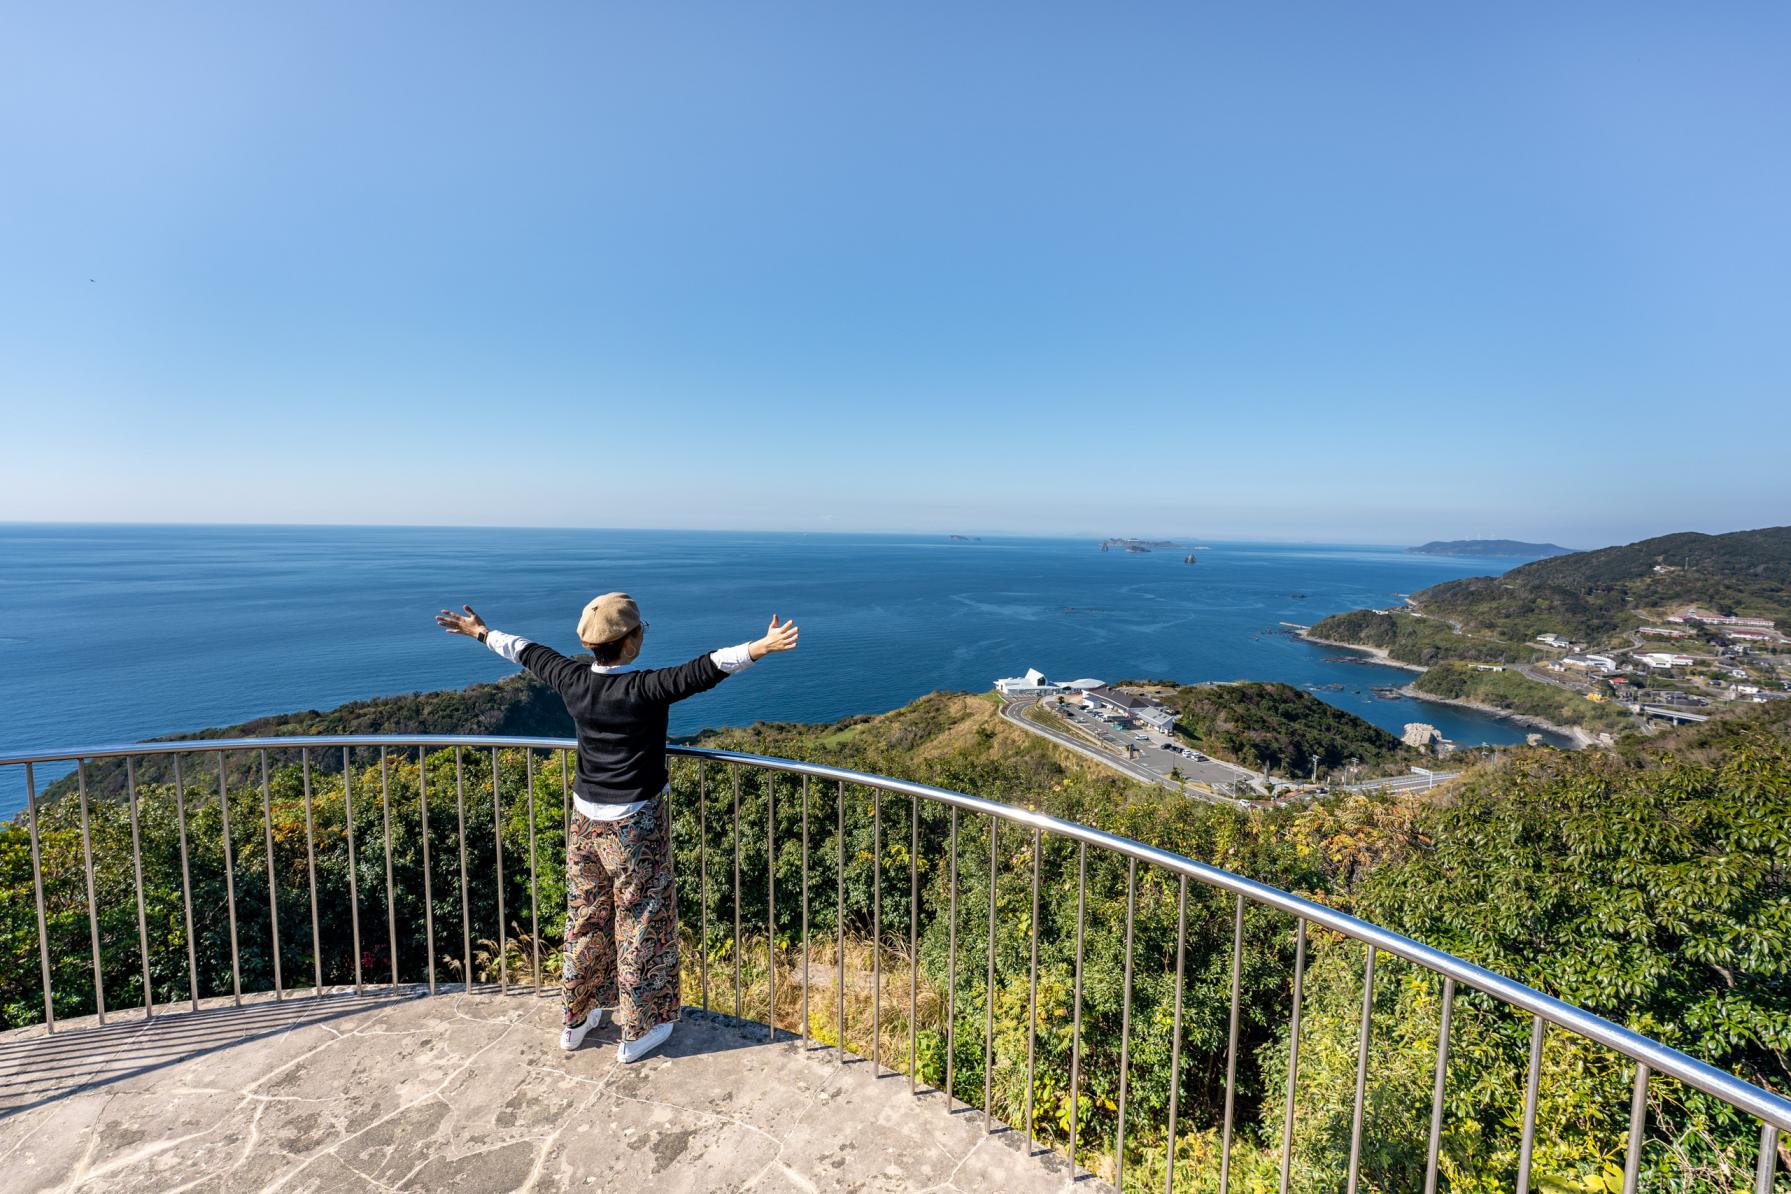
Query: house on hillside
x,y
1554,640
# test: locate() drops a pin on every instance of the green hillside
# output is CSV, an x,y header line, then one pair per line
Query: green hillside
x,y
1277,727
1594,596
1408,638
1514,692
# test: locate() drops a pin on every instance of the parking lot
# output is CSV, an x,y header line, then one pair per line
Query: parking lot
x,y
1151,753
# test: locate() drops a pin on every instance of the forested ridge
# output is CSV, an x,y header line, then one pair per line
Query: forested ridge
x,y
1594,596
1589,876
1279,728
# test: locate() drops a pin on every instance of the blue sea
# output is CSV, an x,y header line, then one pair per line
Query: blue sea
x,y
122,632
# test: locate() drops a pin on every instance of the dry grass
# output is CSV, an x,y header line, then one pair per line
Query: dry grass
x,y
876,995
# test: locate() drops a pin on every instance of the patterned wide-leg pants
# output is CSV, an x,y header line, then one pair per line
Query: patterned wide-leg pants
x,y
622,921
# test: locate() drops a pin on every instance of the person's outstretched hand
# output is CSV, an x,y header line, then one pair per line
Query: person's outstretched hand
x,y
777,638
471,625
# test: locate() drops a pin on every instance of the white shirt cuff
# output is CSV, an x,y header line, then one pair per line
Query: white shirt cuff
x,y
508,645
733,659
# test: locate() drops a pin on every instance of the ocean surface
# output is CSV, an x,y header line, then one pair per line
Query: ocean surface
x,y
119,633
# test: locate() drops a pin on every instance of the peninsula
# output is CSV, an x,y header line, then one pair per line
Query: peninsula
x,y
1665,628
1511,548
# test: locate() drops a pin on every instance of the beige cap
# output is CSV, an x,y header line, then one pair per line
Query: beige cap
x,y
608,618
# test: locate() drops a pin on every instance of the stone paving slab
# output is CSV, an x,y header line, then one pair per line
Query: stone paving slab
x,y
470,1092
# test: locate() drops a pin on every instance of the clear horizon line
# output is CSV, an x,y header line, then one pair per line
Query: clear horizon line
x,y
713,530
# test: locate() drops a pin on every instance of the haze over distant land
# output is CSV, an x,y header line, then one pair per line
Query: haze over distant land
x,y
1511,548
1330,273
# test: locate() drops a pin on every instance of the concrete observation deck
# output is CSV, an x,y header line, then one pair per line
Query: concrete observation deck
x,y
471,1092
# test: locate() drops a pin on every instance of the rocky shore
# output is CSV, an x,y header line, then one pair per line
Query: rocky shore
x,y
1578,735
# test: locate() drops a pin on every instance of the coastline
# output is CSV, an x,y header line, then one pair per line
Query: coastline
x,y
1577,735
1379,654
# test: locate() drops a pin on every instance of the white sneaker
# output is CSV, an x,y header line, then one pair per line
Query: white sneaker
x,y
627,1051
571,1038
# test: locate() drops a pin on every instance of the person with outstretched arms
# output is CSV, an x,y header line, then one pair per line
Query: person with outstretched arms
x,y
621,954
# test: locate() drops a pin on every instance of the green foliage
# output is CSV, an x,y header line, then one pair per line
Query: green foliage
x,y
1656,896
1650,889
1408,638
1594,596
1277,727
1515,692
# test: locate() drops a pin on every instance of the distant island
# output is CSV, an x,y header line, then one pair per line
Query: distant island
x,y
966,539
1490,547
1138,545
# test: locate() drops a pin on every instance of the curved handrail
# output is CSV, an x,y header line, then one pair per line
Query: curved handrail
x,y
1662,1059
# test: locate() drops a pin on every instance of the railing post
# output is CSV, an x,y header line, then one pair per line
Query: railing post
x,y
528,758
428,895
1526,1147
989,1003
876,932
1293,1053
1769,1159
1032,987
385,804
354,894
236,974
186,883
913,936
1433,1153
99,982
735,772
1125,1026
1076,1002
1355,1127
37,886
273,899
805,948
951,971
771,904
466,914
702,879
839,916
1638,1123
1231,1049
130,783
1175,1035
311,872
497,844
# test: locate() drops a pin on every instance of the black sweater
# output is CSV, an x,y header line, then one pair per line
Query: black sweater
x,y
620,718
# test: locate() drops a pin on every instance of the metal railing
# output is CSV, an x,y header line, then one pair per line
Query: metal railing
x,y
1652,1059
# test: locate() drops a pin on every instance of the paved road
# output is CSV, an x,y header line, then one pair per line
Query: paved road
x,y
1404,783
1151,764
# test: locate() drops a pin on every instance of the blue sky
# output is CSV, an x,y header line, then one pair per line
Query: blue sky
x,y
1378,272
